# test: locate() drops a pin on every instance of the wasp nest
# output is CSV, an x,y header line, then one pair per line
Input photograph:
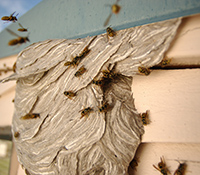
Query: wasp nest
x,y
74,110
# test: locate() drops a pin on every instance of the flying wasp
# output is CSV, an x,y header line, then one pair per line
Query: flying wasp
x,y
85,112
115,8
18,40
162,167
145,118
80,72
22,29
70,94
10,18
181,169
30,116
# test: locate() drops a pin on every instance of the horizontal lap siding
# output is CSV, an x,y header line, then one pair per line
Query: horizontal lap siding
x,y
173,98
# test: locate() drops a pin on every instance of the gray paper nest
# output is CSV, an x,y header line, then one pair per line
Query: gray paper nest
x,y
59,141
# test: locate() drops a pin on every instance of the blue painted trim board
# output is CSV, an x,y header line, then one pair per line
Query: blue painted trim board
x,y
70,19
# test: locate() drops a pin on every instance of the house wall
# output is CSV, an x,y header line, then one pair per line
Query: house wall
x,y
173,98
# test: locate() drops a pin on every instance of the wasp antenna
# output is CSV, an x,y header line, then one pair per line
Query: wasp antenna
x,y
12,33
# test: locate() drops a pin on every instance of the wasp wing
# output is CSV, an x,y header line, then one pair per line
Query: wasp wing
x,y
13,13
21,25
107,20
12,33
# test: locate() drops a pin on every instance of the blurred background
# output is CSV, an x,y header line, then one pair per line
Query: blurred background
x,y
7,7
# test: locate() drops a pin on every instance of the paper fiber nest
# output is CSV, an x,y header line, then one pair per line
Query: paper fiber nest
x,y
59,142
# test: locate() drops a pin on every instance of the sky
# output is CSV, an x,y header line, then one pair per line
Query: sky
x,y
7,7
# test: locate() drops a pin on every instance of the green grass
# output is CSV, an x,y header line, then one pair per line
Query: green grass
x,y
5,161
